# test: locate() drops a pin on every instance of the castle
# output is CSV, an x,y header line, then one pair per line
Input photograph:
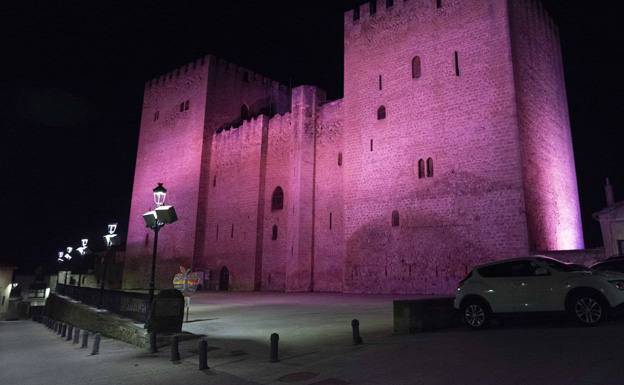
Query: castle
x,y
451,147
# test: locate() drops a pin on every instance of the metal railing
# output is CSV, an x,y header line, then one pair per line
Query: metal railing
x,y
128,304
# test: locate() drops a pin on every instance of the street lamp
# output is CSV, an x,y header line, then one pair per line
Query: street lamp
x,y
61,260
111,239
156,219
82,250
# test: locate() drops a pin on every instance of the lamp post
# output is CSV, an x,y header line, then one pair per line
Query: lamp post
x,y
111,239
156,219
60,259
83,251
68,258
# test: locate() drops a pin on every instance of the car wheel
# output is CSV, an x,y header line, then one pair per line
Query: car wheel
x,y
475,314
588,309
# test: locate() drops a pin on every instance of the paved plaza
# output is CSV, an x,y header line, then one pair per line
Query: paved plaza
x,y
316,348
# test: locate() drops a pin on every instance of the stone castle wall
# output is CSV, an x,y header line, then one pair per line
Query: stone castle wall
x,y
357,214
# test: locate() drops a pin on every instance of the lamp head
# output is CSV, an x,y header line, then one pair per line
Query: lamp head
x,y
84,242
112,227
160,193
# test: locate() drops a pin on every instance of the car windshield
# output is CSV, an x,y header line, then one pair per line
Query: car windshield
x,y
560,266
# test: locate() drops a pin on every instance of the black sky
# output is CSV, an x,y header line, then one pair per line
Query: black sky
x,y
73,80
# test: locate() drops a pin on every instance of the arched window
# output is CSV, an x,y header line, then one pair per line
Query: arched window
x,y
421,169
245,112
277,200
274,235
395,218
429,167
416,67
340,159
381,113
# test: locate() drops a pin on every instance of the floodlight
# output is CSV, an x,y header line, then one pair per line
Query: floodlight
x,y
166,214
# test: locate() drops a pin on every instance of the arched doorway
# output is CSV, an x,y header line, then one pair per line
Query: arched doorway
x,y
224,279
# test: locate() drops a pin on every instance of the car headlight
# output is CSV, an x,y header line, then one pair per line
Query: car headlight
x,y
618,284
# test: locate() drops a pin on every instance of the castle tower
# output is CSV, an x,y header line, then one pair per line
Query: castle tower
x,y
181,112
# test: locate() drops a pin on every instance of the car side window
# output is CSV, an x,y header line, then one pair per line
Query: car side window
x,y
496,271
522,269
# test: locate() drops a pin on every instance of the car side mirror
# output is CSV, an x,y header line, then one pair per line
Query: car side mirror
x,y
541,271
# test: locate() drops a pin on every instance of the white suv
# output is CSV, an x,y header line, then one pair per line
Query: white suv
x,y
538,284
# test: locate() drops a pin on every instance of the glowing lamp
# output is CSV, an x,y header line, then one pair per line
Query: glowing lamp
x,y
69,249
111,240
112,227
68,254
61,254
14,285
160,193
84,242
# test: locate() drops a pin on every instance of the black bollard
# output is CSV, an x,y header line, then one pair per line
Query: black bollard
x,y
175,352
274,342
59,330
76,336
85,339
96,344
64,331
355,325
203,355
70,332
152,342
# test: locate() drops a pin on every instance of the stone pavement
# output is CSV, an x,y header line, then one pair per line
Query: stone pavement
x,y
316,348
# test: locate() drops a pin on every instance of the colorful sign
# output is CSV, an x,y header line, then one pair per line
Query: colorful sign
x,y
186,282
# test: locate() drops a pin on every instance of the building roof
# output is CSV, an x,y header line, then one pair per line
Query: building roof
x,y
615,212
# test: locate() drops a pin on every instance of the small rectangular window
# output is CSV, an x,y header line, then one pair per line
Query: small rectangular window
x,y
181,106
356,13
232,233
438,3
389,3
371,145
373,7
217,237
156,115
186,105
456,64
380,82
330,221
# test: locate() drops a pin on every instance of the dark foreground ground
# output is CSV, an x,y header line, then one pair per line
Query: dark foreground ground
x,y
316,348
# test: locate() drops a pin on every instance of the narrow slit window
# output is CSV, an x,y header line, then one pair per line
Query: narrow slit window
x,y
330,221
371,145
395,218
274,233
214,181
181,106
232,233
373,7
381,113
356,13
429,168
156,115
340,159
380,82
421,168
416,67
438,3
389,3
456,64
217,235
186,105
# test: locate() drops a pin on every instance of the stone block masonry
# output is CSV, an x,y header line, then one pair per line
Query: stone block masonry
x,y
451,147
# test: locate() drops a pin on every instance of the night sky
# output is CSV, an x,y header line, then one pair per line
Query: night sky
x,y
73,81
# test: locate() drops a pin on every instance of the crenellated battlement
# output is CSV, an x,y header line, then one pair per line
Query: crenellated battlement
x,y
176,73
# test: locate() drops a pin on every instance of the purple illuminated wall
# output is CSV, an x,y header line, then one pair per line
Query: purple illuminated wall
x,y
487,108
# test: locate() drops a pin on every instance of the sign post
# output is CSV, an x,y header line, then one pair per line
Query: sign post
x,y
186,282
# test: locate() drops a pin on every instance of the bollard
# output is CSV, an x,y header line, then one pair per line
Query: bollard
x,y
96,344
64,331
355,325
76,336
203,355
59,329
274,341
175,352
152,342
85,339
54,326
70,332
